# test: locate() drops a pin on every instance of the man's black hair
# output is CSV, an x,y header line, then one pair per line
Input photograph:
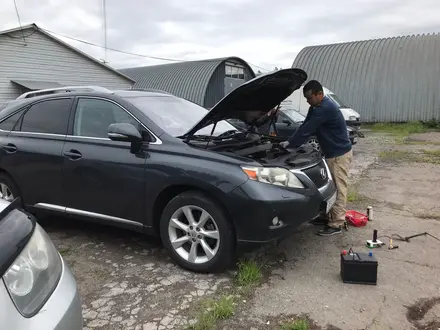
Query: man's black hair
x,y
314,86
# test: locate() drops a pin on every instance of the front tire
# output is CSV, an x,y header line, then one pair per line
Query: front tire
x,y
196,233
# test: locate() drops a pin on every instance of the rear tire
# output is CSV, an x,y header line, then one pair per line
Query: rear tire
x,y
196,233
8,189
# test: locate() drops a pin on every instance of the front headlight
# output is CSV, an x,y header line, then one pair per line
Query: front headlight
x,y
273,175
352,118
33,276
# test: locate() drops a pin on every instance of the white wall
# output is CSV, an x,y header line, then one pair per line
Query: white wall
x,y
44,59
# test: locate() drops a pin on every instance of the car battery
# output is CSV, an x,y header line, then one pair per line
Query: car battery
x,y
359,268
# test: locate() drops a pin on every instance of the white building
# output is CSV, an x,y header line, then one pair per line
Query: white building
x,y
39,60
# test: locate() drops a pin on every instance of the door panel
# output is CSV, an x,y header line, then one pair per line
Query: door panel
x,y
31,152
102,176
232,83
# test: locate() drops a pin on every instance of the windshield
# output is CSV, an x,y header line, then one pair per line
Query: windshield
x,y
176,116
294,115
337,100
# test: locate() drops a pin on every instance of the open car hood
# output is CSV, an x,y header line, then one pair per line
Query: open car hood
x,y
254,98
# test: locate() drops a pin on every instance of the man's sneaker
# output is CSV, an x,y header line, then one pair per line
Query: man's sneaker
x,y
329,231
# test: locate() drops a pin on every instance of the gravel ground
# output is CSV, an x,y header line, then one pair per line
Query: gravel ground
x,y
127,281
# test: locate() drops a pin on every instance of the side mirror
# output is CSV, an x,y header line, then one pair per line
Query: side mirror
x,y
124,132
288,122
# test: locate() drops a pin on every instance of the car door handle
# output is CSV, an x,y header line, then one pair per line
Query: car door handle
x,y
10,148
73,154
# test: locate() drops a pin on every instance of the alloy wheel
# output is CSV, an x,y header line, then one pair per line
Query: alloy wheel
x,y
314,144
194,234
6,193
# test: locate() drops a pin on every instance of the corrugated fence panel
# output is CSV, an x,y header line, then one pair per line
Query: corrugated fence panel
x,y
391,79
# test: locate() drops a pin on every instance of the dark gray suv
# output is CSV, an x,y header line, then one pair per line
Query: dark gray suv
x,y
156,163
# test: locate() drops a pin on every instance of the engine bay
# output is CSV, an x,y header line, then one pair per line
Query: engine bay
x,y
262,148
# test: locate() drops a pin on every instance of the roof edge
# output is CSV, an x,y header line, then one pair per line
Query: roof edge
x,y
375,39
62,43
218,59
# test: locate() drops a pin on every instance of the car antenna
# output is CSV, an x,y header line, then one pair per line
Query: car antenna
x,y
210,136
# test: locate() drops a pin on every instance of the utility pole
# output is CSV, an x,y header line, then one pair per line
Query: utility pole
x,y
105,29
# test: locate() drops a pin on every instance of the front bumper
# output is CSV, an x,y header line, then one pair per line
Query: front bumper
x,y
256,206
356,124
61,312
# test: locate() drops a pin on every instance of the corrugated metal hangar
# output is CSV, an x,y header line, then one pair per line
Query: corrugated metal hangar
x,y
203,82
386,80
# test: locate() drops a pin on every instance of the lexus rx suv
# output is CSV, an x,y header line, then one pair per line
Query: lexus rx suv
x,y
156,163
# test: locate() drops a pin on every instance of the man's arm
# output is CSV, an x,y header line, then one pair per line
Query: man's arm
x,y
317,117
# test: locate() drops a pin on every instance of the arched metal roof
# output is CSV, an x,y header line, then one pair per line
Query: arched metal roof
x,y
391,79
188,80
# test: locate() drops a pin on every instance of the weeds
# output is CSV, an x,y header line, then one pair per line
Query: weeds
x,y
300,324
64,251
249,273
248,276
213,311
353,196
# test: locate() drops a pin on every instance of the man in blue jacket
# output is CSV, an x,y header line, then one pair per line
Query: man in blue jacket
x,y
325,120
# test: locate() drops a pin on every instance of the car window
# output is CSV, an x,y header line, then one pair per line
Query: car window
x,y
94,116
280,118
176,116
9,123
51,117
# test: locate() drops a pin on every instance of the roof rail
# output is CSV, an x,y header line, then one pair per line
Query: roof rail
x,y
152,90
65,89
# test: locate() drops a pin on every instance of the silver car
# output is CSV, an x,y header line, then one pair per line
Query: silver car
x,y
37,289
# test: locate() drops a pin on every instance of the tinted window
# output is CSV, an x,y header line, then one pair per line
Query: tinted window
x,y
51,116
8,124
93,117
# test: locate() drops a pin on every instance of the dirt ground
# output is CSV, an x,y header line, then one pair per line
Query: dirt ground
x,y
127,281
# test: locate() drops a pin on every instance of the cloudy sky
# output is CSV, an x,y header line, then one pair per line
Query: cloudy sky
x,y
266,33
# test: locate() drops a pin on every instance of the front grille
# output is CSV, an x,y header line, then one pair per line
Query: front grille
x,y
315,174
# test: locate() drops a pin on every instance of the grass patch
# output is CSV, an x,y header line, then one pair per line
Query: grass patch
x,y
434,153
401,129
213,311
409,141
353,196
248,276
425,156
64,251
249,273
394,155
300,324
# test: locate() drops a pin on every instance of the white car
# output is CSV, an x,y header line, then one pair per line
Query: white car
x,y
298,102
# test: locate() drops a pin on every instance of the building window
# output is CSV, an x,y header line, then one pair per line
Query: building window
x,y
232,71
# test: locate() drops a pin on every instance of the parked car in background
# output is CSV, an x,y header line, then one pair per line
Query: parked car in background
x,y
156,163
296,101
37,290
286,124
